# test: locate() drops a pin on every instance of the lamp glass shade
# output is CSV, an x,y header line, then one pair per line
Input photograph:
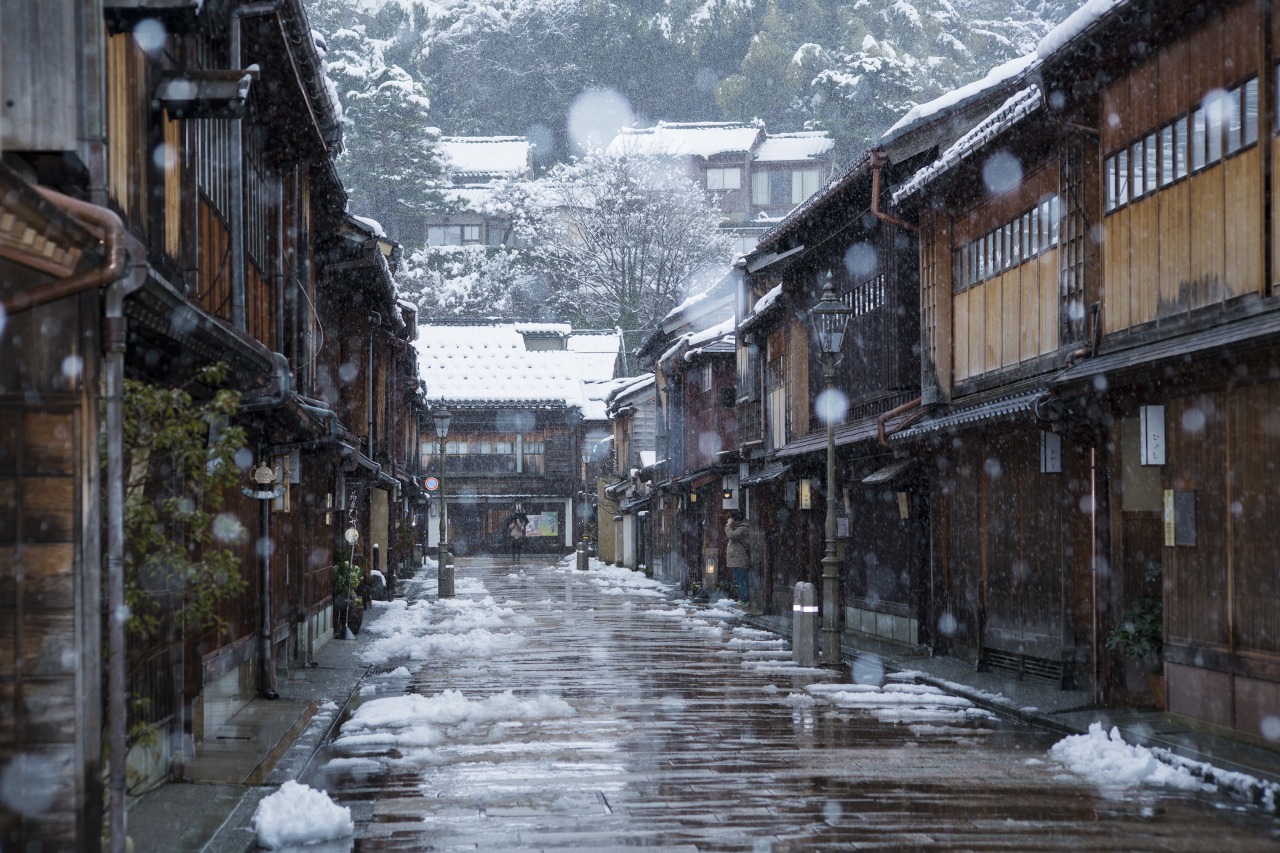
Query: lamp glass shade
x,y
829,319
442,418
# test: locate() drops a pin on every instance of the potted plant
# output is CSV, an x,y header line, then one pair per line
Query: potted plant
x,y
347,609
1139,635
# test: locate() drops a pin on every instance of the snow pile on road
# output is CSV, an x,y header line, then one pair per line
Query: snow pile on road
x,y
616,580
1106,759
296,815
900,703
453,628
416,720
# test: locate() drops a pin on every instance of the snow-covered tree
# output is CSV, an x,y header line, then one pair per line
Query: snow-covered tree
x,y
391,164
617,234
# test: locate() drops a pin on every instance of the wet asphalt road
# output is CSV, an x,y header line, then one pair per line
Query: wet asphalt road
x,y
694,733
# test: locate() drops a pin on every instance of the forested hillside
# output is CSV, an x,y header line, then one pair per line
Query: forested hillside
x,y
408,71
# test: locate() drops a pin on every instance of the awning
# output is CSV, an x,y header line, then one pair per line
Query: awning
x,y
1262,330
216,93
768,475
849,433
615,489
971,414
890,472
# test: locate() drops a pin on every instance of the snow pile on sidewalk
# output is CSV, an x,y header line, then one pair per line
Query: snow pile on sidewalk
x,y
415,720
296,815
1107,760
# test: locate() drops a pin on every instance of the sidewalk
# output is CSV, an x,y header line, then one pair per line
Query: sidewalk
x,y
1066,711
264,745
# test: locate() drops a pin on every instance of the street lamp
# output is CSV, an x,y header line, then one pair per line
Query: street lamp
x,y
444,582
829,319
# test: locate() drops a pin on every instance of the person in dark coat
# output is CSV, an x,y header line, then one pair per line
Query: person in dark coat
x,y
737,555
516,530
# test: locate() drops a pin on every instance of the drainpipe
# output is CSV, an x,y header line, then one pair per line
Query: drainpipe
x,y
375,320
108,227
878,160
882,432
239,309
113,273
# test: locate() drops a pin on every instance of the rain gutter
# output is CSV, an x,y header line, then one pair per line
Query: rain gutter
x,y
109,229
882,431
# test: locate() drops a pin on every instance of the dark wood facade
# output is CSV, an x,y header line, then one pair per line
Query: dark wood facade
x,y
1101,400
232,226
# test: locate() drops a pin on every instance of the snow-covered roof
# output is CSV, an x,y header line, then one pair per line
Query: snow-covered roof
x,y
956,97
488,363
763,303
487,155
1075,24
701,284
718,338
803,145
687,139
1018,107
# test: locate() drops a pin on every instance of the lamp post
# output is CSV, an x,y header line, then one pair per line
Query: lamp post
x,y
829,318
444,581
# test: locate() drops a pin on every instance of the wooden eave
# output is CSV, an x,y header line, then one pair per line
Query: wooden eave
x,y
37,235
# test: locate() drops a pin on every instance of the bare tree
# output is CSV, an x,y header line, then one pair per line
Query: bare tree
x,y
616,235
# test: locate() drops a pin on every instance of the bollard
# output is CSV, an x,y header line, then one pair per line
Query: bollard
x,y
804,622
444,581
582,556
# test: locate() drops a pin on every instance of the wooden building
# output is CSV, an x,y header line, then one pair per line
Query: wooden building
x,y
882,515
173,166
518,396
624,495
695,466
1100,343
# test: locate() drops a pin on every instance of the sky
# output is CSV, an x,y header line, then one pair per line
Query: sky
x,y
391,725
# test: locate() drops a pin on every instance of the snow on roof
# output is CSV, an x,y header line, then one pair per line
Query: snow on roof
x,y
372,225
1012,111
480,363
1076,23
487,155
718,338
996,76
699,284
686,139
763,303
804,145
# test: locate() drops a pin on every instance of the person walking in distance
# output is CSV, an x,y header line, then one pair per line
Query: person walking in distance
x,y
737,555
517,531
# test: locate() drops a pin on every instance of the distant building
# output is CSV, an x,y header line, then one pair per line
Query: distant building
x,y
754,178
477,164
523,398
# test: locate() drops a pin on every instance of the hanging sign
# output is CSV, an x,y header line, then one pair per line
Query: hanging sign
x,y
351,535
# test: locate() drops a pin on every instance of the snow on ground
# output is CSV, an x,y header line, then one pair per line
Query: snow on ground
x,y
456,628
296,815
1105,758
415,720
898,703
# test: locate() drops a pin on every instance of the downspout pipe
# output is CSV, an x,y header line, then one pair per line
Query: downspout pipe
x,y
239,286
375,321
107,226
878,160
882,431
